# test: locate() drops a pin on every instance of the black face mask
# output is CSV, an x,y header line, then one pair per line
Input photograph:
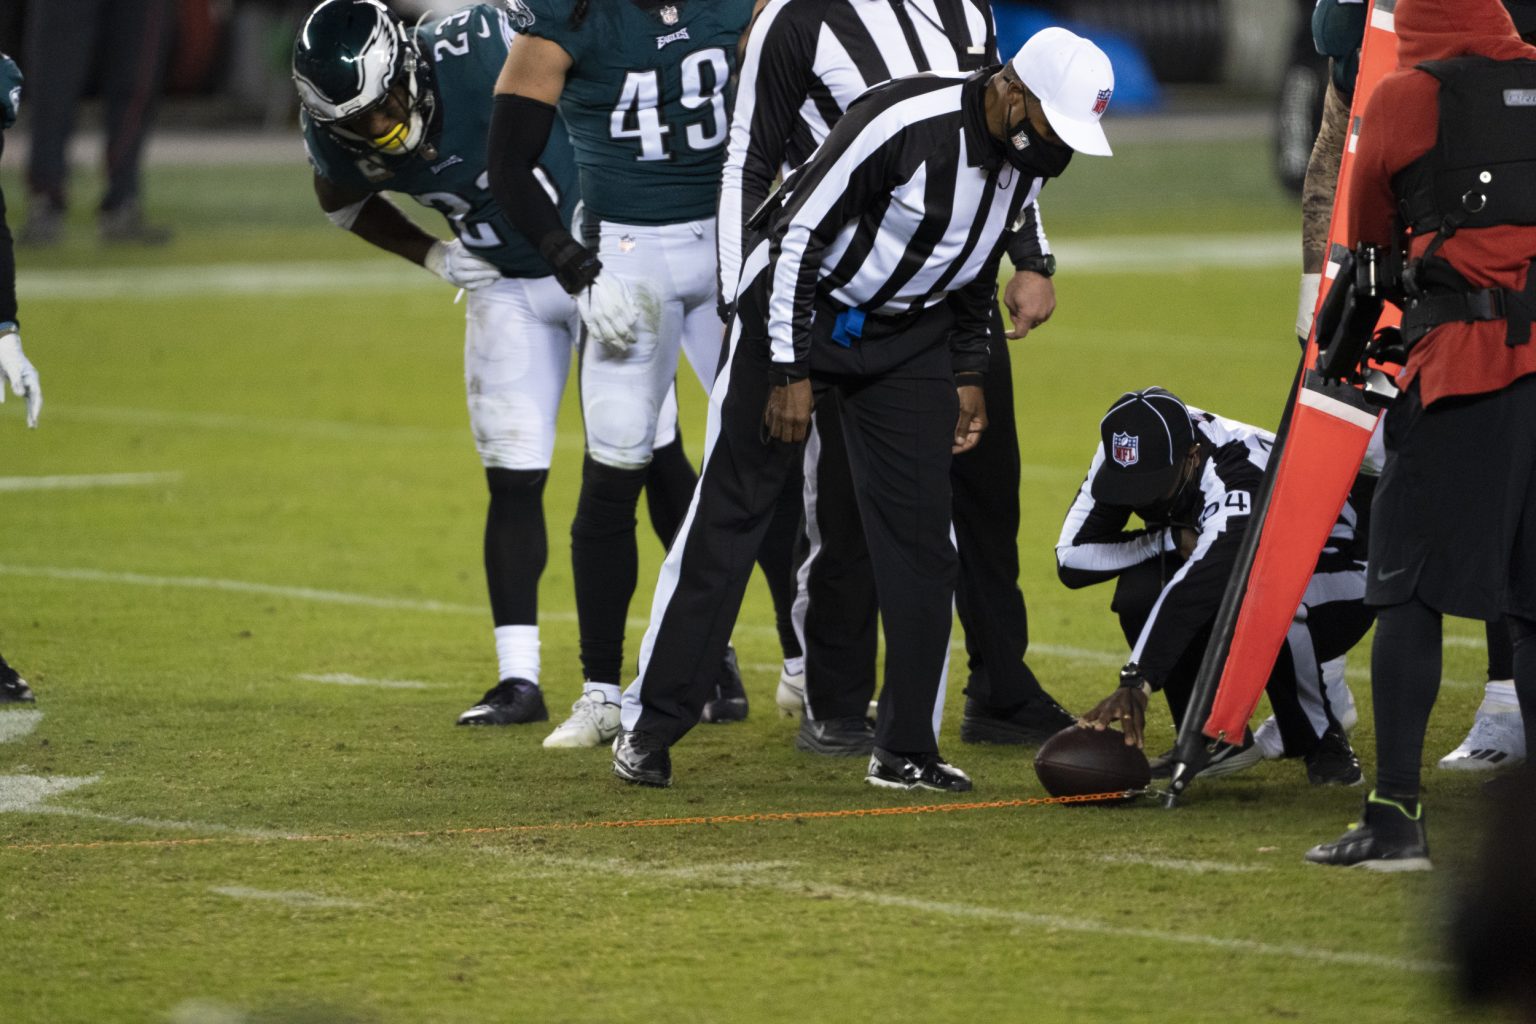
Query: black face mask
x,y
1031,153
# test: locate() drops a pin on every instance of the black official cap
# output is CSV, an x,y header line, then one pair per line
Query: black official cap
x,y
1146,435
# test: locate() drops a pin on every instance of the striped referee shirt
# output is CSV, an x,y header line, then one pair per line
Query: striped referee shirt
x,y
806,61
905,205
1096,546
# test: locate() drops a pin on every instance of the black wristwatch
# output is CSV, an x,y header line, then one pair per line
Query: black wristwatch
x,y
1132,678
1045,265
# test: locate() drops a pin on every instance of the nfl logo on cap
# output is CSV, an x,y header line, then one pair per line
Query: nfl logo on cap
x,y
1126,449
1102,103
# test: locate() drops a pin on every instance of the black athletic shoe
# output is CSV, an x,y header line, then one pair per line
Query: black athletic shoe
x,y
1227,760
1334,763
729,703
836,737
1031,723
915,771
13,688
642,759
509,702
1389,837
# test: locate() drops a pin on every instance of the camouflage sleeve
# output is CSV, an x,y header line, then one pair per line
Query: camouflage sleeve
x,y
1322,180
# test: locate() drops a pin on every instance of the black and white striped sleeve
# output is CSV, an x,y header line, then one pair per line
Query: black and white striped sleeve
x,y
881,142
773,82
1095,545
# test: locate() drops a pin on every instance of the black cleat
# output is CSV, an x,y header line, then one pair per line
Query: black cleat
x,y
1334,763
1387,838
1227,760
729,703
13,688
641,758
915,771
509,702
1031,723
836,737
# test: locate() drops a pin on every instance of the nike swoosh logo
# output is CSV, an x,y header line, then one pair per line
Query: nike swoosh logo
x,y
1382,577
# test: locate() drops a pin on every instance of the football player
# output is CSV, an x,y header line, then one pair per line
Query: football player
x,y
641,86
387,109
15,370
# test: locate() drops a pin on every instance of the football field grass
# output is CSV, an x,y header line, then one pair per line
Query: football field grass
x,y
240,565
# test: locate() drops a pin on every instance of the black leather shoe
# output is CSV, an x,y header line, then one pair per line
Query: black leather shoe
x,y
13,688
915,771
642,759
836,737
509,702
1389,837
1334,763
1031,723
729,703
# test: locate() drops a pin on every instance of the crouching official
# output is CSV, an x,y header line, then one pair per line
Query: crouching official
x,y
875,287
1191,477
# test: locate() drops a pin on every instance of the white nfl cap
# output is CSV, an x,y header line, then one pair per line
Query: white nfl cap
x,y
1073,80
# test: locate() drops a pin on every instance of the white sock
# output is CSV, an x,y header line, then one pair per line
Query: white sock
x,y
794,666
1499,695
517,652
608,692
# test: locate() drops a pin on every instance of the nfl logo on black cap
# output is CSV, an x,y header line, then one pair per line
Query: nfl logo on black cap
x,y
1125,449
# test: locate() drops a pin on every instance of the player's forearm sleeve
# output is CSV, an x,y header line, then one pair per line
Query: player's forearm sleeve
x,y
7,265
519,132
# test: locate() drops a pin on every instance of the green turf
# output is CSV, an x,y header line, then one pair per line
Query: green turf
x,y
321,444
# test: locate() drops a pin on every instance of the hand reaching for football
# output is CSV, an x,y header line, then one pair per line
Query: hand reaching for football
x,y
1126,706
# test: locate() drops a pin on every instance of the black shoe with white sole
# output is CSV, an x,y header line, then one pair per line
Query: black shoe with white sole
x,y
915,771
729,703
509,702
641,758
836,737
1228,759
1030,723
13,688
1389,837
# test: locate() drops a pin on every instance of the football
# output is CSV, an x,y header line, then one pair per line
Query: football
x,y
1078,762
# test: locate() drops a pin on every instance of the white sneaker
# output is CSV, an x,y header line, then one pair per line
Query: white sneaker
x,y
1267,738
790,696
593,722
1497,740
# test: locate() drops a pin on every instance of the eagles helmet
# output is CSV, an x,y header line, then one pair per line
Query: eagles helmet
x,y
354,56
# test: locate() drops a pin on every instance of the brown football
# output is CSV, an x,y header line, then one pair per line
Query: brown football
x,y
1078,762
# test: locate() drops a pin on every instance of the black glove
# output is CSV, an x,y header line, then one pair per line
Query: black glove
x,y
575,266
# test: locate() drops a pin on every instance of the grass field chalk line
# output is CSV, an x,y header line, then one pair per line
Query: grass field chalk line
x,y
287,899
16,724
86,481
1193,867
28,793
347,679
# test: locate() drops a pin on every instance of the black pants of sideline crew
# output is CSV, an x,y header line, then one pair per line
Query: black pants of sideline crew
x,y
897,397
835,609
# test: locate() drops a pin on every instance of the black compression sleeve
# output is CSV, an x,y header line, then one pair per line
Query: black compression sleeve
x,y
519,131
7,262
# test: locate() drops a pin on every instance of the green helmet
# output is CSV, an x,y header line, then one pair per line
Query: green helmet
x,y
350,57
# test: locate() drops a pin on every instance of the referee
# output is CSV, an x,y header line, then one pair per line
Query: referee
x,y
805,62
874,287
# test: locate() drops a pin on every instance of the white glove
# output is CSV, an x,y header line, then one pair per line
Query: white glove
x,y
20,375
458,266
610,312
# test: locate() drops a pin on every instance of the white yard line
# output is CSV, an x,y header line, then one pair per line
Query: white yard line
x,y
28,792
1175,254
16,724
138,821
346,679
86,481
1193,867
288,899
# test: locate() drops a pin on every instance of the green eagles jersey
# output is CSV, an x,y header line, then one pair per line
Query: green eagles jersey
x,y
645,100
465,52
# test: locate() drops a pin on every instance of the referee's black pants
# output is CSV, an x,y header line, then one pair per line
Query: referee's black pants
x,y
896,394
835,608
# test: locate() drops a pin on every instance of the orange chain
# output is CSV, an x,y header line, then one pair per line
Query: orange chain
x,y
713,819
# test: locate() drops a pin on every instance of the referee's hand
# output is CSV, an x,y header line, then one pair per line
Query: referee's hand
x,y
788,414
973,418
1126,707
